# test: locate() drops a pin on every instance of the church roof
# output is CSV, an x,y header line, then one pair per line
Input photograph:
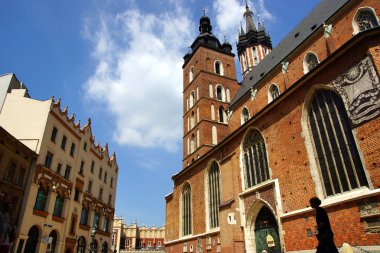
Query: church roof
x,y
321,13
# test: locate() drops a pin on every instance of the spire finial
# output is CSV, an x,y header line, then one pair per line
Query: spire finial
x,y
246,4
204,12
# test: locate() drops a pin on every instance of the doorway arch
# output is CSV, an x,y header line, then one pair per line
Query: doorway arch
x,y
31,243
266,232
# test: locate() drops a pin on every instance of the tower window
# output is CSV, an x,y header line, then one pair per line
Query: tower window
x,y
220,93
221,115
191,74
218,68
186,210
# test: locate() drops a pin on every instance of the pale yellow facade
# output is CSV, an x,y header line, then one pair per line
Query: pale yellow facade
x,y
73,176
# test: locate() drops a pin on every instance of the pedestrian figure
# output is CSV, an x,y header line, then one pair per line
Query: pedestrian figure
x,y
324,233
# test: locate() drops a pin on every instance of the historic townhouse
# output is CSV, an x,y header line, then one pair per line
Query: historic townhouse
x,y
303,122
73,186
132,237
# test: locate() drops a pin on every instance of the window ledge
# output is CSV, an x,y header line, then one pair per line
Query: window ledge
x,y
40,213
84,227
58,219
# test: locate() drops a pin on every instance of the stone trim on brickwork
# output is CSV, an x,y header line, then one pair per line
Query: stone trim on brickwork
x,y
187,238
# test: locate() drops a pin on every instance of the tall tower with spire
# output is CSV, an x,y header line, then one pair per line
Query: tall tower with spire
x,y
209,84
254,43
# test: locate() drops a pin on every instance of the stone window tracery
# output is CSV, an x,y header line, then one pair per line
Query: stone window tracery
x,y
214,194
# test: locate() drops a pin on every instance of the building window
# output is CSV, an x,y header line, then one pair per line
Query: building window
x,y
192,144
192,120
218,68
159,243
219,93
41,199
221,114
19,180
58,207
244,115
96,220
255,56
59,168
212,110
53,134
336,153
72,149
105,177
214,194
273,92
48,159
72,225
77,194
89,186
255,159
100,173
81,168
11,169
109,199
92,167
111,183
191,74
85,146
67,172
365,19
100,194
186,210
63,143
106,224
192,99
84,216
310,62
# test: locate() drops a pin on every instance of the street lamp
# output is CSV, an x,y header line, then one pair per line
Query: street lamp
x,y
93,249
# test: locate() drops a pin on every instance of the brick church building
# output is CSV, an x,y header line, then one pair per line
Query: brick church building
x,y
303,122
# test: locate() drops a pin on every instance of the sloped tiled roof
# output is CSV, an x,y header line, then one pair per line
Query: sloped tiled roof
x,y
322,12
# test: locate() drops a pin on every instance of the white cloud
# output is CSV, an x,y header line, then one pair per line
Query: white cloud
x,y
138,74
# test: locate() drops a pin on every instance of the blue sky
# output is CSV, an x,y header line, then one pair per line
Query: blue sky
x,y
119,62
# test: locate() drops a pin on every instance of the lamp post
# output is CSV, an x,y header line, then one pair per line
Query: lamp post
x,y
92,244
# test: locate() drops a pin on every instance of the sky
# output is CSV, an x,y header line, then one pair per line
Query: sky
x,y
119,62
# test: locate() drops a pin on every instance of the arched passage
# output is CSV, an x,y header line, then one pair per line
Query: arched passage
x,y
266,232
31,243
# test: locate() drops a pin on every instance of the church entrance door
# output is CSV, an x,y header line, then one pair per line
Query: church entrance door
x,y
266,232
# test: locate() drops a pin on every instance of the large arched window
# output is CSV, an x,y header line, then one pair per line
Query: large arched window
x,y
336,153
365,19
256,168
32,241
310,61
214,194
186,210
244,115
273,92
81,245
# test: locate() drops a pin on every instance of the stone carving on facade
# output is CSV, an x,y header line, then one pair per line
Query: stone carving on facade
x,y
284,67
229,113
327,30
253,93
359,88
368,209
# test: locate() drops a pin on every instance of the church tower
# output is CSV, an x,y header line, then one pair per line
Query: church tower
x,y
254,43
209,83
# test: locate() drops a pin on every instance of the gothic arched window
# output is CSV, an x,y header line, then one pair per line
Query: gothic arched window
x,y
218,67
221,114
310,62
214,194
336,153
191,74
192,98
81,245
274,92
219,93
186,210
244,115
256,168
